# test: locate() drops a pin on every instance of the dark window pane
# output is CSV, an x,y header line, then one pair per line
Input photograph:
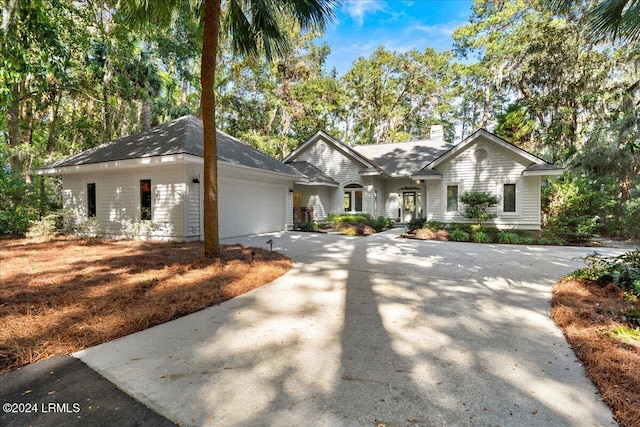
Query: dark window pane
x,y
91,199
509,198
145,199
452,198
358,195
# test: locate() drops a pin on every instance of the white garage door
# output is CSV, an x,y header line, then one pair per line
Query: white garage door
x,y
249,207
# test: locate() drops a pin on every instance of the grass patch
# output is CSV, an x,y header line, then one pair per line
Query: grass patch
x,y
64,295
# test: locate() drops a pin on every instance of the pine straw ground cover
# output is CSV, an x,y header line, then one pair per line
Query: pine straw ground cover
x,y
61,296
590,316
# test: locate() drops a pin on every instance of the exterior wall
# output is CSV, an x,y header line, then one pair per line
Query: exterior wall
x,y
499,168
392,195
343,169
194,213
317,197
118,199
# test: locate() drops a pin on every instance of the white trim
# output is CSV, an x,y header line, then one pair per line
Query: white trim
x,y
543,172
500,191
492,138
137,215
352,191
339,145
121,164
451,215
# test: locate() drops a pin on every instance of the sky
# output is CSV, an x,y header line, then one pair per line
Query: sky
x,y
398,25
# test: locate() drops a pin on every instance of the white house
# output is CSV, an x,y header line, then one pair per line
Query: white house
x,y
419,178
156,177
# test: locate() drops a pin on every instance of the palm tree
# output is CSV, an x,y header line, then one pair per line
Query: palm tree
x,y
619,19
252,26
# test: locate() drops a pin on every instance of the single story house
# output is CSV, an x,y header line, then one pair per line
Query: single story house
x,y
419,179
154,177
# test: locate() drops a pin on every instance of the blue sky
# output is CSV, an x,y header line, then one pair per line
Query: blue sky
x,y
398,25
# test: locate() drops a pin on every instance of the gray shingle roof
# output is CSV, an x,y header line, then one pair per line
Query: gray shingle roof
x,y
313,174
179,136
403,158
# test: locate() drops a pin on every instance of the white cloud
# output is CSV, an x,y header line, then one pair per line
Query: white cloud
x,y
357,9
439,30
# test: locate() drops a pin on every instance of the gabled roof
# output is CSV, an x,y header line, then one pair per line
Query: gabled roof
x,y
403,158
180,136
454,150
341,146
314,176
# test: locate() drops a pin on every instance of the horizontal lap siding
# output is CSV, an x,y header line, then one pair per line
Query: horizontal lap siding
x,y
501,166
341,168
118,198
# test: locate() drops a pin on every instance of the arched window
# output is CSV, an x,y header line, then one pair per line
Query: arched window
x,y
353,198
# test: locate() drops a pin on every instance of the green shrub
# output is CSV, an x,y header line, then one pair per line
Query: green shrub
x,y
477,204
380,223
459,235
434,225
18,204
353,219
508,238
623,270
481,237
308,226
570,209
416,224
45,228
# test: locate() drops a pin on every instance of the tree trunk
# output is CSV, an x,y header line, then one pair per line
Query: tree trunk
x,y
146,114
16,162
210,34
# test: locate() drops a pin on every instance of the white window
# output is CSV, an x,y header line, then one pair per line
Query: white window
x,y
452,198
510,198
145,200
353,198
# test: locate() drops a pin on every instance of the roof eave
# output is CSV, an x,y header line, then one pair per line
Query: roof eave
x,y
118,164
543,172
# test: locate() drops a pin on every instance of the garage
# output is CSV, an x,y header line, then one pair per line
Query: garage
x,y
151,185
251,207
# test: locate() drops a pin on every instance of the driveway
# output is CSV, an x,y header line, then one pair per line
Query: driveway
x,y
370,331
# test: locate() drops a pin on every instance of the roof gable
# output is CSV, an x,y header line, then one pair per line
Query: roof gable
x,y
180,136
528,158
339,145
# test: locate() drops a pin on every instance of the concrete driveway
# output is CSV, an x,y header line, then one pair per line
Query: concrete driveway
x,y
374,331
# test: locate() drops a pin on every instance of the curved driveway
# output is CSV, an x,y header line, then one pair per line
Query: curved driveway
x,y
374,331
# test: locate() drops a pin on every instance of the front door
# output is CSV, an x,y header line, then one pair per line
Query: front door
x,y
409,205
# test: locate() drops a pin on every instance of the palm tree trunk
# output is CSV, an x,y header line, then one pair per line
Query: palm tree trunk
x,y
210,34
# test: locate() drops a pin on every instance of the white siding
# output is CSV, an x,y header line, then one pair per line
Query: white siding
x,y
118,198
343,169
500,167
317,197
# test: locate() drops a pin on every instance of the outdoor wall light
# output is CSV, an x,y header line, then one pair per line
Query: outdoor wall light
x,y
196,180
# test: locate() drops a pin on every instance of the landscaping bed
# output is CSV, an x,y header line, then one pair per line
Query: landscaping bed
x,y
435,230
63,295
598,310
348,224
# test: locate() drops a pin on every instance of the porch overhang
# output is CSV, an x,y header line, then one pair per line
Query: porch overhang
x,y
426,174
543,170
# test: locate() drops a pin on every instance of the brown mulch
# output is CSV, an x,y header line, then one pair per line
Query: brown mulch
x,y
426,234
60,296
588,314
